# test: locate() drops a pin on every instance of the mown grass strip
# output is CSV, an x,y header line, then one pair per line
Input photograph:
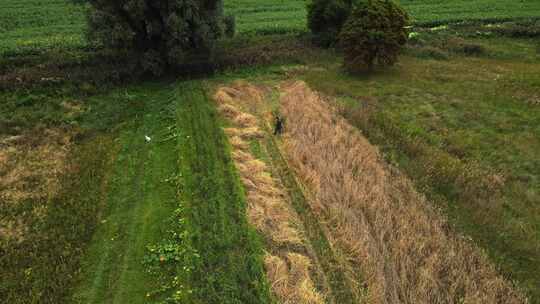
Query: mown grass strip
x,y
229,267
138,202
341,290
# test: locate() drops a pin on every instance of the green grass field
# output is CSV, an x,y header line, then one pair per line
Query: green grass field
x,y
31,26
137,201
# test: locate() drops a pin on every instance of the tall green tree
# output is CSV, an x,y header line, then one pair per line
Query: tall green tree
x,y
158,33
326,17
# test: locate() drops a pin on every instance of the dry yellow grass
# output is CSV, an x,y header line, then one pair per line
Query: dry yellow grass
x,y
245,133
403,246
245,120
30,169
240,91
238,143
228,111
290,279
268,210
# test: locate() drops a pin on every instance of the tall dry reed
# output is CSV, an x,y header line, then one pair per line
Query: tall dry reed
x,y
403,246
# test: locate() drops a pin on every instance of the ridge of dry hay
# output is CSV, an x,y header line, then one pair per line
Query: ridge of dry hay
x,y
404,247
267,208
31,165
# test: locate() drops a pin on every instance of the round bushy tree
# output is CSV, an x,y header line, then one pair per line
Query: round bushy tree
x,y
159,34
374,34
325,19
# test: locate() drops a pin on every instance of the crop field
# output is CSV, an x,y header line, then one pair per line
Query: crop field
x,y
419,183
32,25
36,25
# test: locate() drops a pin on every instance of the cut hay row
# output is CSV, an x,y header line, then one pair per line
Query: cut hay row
x,y
288,264
389,232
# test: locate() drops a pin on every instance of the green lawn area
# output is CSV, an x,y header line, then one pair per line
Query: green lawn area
x,y
30,26
441,11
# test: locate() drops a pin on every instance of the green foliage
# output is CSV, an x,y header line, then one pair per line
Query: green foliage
x,y
173,261
326,18
160,34
374,34
230,25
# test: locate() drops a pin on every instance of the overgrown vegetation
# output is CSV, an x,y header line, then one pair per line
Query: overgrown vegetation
x,y
288,260
326,18
381,223
469,147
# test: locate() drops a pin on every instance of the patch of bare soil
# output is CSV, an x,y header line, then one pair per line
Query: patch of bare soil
x,y
31,165
287,262
402,245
